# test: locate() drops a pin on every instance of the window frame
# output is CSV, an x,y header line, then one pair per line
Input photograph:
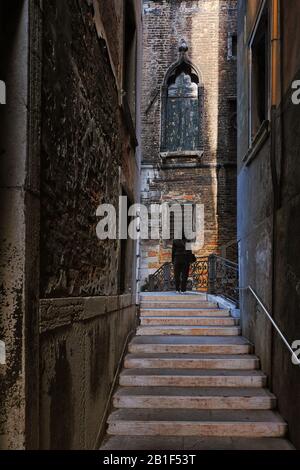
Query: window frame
x,y
263,129
164,152
167,118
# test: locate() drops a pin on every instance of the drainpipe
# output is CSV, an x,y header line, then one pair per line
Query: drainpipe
x,y
275,94
275,103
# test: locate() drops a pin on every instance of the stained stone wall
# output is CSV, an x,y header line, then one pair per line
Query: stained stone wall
x,y
18,231
82,145
89,157
268,215
208,176
68,144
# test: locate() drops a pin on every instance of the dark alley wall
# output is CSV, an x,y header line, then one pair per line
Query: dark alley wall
x,y
82,138
268,216
19,227
70,143
286,377
210,177
255,201
88,158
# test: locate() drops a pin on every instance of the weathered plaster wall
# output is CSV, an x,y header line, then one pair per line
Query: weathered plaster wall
x,y
81,344
210,180
255,202
88,158
286,377
269,236
13,135
54,385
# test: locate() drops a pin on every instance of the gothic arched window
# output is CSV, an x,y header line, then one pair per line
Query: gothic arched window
x,y
182,107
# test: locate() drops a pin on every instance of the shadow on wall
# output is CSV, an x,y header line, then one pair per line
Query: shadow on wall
x,y
227,131
60,392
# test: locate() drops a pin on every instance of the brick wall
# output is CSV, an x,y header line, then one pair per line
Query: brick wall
x,y
83,142
211,179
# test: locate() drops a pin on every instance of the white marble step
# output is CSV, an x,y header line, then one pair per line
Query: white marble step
x,y
190,361
194,443
195,398
218,423
172,304
190,344
188,321
192,378
189,330
184,312
172,297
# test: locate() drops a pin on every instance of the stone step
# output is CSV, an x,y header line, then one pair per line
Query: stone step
x,y
174,312
196,398
189,321
189,330
190,361
158,297
218,423
165,305
193,443
192,378
190,345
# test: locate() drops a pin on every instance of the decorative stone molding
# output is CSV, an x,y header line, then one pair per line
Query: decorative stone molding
x,y
58,313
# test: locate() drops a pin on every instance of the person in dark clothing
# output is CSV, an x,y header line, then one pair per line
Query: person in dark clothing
x,y
181,259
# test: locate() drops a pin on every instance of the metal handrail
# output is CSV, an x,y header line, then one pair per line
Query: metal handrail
x,y
235,265
272,321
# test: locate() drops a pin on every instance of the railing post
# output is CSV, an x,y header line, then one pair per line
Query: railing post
x,y
167,278
212,273
151,283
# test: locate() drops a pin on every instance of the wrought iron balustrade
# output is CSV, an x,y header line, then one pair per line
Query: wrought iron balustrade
x,y
213,274
163,279
199,274
224,278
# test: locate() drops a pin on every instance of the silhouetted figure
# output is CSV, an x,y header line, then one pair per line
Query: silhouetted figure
x,y
181,259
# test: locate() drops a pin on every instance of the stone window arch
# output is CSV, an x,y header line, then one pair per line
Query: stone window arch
x,y
182,109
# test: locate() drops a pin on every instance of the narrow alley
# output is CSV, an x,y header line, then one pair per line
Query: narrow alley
x,y
149,225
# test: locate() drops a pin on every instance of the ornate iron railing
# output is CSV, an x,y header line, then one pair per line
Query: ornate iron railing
x,y
224,278
163,279
199,274
213,274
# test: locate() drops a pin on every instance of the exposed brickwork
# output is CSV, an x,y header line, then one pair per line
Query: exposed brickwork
x,y
211,180
83,140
